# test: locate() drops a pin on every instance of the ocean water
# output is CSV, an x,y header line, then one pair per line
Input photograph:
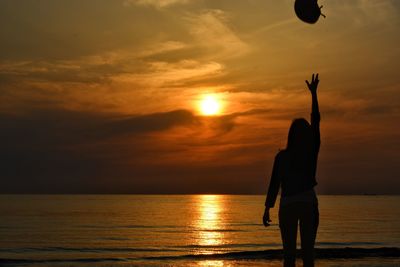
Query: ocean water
x,y
187,230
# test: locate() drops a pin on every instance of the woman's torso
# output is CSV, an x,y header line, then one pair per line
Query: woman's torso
x,y
297,174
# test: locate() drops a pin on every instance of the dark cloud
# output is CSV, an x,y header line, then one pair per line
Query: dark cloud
x,y
148,123
63,151
65,127
44,149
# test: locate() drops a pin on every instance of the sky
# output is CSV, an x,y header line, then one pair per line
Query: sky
x,y
103,96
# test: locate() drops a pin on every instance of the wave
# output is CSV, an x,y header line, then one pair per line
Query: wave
x,y
273,254
4,262
85,250
269,248
250,245
342,244
134,226
163,228
321,253
277,245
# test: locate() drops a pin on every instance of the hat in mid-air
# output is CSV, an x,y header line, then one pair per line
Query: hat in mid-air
x,y
308,10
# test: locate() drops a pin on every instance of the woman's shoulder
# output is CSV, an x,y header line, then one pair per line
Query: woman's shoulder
x,y
282,154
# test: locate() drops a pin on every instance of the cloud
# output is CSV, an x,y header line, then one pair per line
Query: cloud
x,y
86,69
161,48
62,150
362,13
211,32
115,72
148,123
46,150
155,3
64,127
378,11
160,73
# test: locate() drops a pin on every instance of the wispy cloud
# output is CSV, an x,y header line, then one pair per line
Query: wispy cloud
x,y
211,31
171,74
155,3
365,12
164,47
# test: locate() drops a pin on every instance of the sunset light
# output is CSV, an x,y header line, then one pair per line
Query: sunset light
x,y
199,133
210,105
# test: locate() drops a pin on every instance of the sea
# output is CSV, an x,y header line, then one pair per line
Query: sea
x,y
188,230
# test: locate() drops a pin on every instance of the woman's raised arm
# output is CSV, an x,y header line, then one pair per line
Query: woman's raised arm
x,y
315,116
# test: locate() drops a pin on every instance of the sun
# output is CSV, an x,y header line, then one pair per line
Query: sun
x,y
210,105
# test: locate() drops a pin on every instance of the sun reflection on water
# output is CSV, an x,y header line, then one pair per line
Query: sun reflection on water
x,y
209,223
211,263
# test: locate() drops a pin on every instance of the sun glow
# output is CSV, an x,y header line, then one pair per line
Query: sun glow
x,y
210,105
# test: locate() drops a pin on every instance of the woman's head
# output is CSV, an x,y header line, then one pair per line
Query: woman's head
x,y
300,135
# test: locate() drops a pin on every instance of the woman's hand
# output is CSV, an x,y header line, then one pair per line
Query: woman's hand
x,y
266,219
314,84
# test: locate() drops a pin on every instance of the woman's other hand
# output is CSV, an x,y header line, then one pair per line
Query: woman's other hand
x,y
266,219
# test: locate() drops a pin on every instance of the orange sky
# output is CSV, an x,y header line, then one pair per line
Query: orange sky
x,y
103,96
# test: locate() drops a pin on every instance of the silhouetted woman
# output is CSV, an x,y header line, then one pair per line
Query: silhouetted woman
x,y
294,172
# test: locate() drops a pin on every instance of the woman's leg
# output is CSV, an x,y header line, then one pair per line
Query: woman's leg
x,y
288,221
309,220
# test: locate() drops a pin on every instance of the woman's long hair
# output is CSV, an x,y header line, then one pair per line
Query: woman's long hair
x,y
300,142
300,135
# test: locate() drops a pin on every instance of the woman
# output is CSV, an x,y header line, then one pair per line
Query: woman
x,y
294,172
